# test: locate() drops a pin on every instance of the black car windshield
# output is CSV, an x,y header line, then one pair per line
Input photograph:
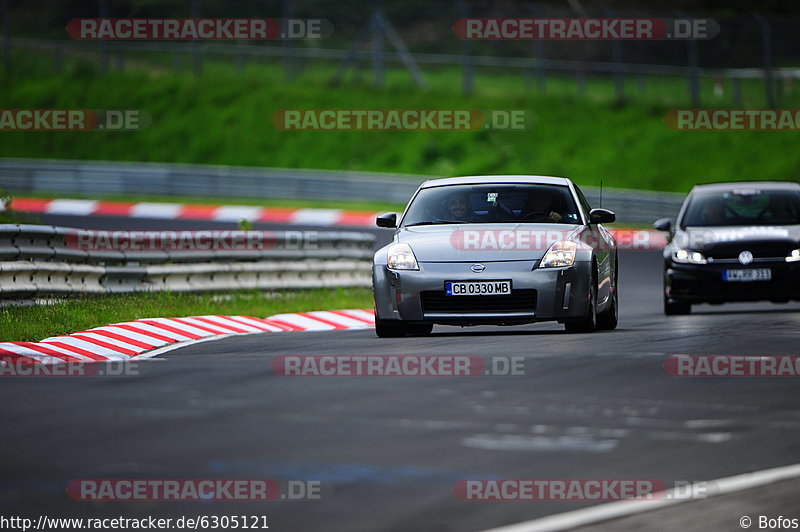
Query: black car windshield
x,y
504,203
744,206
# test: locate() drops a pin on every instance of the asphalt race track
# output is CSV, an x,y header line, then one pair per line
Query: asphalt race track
x,y
388,450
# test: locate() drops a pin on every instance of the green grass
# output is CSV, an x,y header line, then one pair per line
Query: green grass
x,y
34,323
224,118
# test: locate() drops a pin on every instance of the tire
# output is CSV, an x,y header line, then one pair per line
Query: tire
x,y
397,328
675,308
389,328
608,319
422,329
588,323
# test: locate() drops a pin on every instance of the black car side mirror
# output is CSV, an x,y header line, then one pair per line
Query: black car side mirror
x,y
602,216
663,224
387,219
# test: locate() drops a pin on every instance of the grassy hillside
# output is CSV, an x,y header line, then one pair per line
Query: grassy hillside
x,y
224,118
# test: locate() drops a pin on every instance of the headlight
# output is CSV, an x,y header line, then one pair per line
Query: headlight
x,y
561,253
685,256
401,258
794,256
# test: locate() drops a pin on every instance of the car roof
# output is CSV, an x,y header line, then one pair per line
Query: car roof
x,y
764,185
496,179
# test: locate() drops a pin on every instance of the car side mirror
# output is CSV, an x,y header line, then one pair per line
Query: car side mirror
x,y
602,216
387,219
663,224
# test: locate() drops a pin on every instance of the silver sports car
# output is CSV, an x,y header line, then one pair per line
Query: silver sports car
x,y
500,250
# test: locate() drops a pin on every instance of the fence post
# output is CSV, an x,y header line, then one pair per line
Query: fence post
x,y
616,57
694,86
736,83
240,60
693,82
377,47
619,78
58,57
466,58
580,79
6,13
642,84
197,65
541,81
103,12
287,45
766,40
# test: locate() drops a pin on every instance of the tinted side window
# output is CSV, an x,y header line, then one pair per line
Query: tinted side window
x,y
582,199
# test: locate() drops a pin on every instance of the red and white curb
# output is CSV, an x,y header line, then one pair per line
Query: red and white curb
x,y
216,213
640,239
149,337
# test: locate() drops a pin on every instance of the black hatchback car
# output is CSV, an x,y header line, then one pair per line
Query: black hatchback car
x,y
733,242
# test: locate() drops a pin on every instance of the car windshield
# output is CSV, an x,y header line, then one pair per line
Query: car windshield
x,y
505,203
743,207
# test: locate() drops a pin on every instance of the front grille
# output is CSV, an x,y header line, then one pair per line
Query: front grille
x,y
765,249
707,283
518,301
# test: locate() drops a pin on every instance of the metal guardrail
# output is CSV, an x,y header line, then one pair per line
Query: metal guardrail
x,y
94,178
438,59
107,178
44,261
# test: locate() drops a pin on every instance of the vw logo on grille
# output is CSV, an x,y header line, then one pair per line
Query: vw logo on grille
x,y
478,268
745,257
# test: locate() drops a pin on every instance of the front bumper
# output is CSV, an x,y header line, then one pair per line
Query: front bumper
x,y
537,294
695,283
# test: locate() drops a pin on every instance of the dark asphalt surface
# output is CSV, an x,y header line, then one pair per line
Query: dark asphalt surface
x,y
389,450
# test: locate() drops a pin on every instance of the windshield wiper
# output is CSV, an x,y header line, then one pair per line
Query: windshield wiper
x,y
437,222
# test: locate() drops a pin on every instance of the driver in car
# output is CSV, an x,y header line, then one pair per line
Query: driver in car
x,y
542,207
714,211
457,208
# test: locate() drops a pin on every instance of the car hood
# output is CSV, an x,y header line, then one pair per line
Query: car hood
x,y
484,242
709,239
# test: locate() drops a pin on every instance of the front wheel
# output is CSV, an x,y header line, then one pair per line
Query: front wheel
x,y
397,328
607,320
588,323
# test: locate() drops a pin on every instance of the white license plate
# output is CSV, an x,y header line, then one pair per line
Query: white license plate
x,y
754,274
477,288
